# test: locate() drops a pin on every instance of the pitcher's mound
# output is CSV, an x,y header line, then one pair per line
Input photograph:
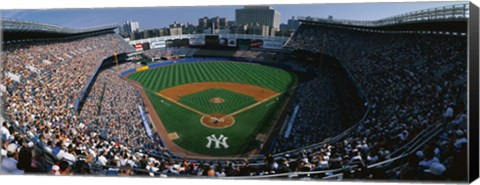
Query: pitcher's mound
x,y
217,121
217,100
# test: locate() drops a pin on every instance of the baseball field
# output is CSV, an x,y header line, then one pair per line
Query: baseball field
x,y
217,108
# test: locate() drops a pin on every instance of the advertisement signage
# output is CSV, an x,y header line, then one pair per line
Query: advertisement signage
x,y
232,42
223,41
272,44
158,44
197,41
138,47
256,43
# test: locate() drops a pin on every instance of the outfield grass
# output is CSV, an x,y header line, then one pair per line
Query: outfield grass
x,y
192,134
168,76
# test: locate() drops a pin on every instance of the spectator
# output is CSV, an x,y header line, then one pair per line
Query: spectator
x,y
9,164
436,172
25,158
65,169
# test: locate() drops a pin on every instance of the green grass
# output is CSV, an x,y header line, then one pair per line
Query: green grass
x,y
192,134
248,124
168,76
201,101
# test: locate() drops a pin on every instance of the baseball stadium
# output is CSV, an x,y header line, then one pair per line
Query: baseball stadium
x,y
336,100
213,97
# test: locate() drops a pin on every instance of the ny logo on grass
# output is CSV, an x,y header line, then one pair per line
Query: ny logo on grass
x,y
222,140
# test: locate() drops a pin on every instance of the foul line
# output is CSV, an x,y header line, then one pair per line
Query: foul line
x,y
228,115
184,106
251,106
269,104
173,101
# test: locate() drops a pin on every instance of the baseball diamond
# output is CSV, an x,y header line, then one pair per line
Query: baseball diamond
x,y
201,101
236,100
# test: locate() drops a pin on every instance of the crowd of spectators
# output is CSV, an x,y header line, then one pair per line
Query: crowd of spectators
x,y
442,158
318,108
411,81
256,55
40,103
112,107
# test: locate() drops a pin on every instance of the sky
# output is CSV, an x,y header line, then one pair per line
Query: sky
x,y
158,17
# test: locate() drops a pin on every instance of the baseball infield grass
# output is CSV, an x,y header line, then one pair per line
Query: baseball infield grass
x,y
248,124
201,101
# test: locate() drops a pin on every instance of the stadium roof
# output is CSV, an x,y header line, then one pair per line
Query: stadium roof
x,y
25,30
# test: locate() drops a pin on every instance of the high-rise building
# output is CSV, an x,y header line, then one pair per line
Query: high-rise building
x,y
189,28
230,23
176,29
129,27
284,27
262,15
238,29
217,22
293,23
212,25
214,22
257,29
202,23
134,26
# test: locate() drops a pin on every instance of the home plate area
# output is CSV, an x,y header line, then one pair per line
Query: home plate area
x,y
217,120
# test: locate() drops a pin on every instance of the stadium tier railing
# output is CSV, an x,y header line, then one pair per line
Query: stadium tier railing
x,y
373,30
81,95
3,92
129,47
430,130
146,124
451,12
84,91
66,38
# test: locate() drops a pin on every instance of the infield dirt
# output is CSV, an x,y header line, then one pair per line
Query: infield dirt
x,y
176,92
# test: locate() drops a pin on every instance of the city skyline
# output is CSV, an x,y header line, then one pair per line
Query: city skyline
x,y
160,17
